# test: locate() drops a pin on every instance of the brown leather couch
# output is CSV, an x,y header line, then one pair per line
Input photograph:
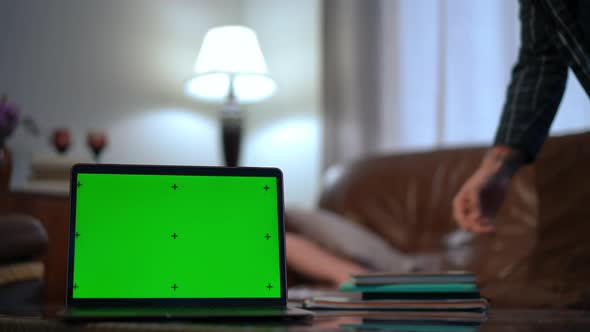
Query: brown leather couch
x,y
540,256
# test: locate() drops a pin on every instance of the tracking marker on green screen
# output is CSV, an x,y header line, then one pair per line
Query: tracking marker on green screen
x,y
168,236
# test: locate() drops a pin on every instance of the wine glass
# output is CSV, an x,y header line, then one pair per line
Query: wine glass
x,y
61,140
97,141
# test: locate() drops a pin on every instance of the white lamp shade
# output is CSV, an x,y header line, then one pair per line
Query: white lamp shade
x,y
230,51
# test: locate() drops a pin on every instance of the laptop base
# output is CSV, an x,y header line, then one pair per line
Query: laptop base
x,y
183,313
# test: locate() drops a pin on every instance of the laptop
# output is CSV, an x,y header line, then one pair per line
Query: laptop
x,y
176,242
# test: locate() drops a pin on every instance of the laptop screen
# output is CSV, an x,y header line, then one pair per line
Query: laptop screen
x,y
150,236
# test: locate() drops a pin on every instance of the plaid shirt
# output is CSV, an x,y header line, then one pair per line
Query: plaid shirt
x,y
555,35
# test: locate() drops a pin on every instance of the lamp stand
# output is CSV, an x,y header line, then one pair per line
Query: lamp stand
x,y
231,129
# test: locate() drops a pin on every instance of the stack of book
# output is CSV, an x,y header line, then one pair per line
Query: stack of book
x,y
448,297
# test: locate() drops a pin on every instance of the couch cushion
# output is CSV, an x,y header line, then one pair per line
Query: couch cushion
x,y
561,259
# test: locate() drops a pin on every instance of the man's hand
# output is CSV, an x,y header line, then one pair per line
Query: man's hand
x,y
480,198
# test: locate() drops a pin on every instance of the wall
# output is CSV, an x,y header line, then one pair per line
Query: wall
x,y
286,132
119,66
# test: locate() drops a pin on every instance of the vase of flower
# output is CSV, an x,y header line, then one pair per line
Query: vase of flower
x,y
9,115
97,141
5,168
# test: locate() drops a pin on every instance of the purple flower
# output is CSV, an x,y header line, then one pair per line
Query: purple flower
x,y
9,115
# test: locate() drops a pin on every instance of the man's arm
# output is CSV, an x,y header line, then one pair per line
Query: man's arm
x,y
534,94
537,86
478,201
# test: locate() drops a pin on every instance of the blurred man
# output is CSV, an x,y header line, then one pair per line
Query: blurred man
x,y
555,35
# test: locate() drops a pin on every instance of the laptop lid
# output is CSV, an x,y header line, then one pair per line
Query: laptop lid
x,y
176,235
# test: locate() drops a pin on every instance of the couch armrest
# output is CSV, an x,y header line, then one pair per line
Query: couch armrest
x,y
21,237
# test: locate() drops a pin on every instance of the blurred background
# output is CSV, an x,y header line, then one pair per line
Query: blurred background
x,y
353,79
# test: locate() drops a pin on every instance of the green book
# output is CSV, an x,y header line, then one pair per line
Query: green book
x,y
350,286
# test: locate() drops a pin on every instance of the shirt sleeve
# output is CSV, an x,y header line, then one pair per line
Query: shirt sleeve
x,y
536,87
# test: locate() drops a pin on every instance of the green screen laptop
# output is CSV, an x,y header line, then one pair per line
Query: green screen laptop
x,y
176,242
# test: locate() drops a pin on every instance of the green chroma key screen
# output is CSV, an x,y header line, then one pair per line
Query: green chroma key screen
x,y
176,236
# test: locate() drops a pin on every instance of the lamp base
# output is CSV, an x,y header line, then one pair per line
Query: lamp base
x,y
231,134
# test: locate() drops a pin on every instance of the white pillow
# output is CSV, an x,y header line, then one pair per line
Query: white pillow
x,y
347,239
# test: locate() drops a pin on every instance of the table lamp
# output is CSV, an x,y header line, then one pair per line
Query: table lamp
x,y
230,69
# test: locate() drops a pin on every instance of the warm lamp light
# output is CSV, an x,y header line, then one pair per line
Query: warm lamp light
x,y
230,59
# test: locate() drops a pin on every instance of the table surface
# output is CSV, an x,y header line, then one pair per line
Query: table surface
x,y
498,321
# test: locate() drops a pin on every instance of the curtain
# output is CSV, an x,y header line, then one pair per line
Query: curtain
x,y
405,75
352,56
